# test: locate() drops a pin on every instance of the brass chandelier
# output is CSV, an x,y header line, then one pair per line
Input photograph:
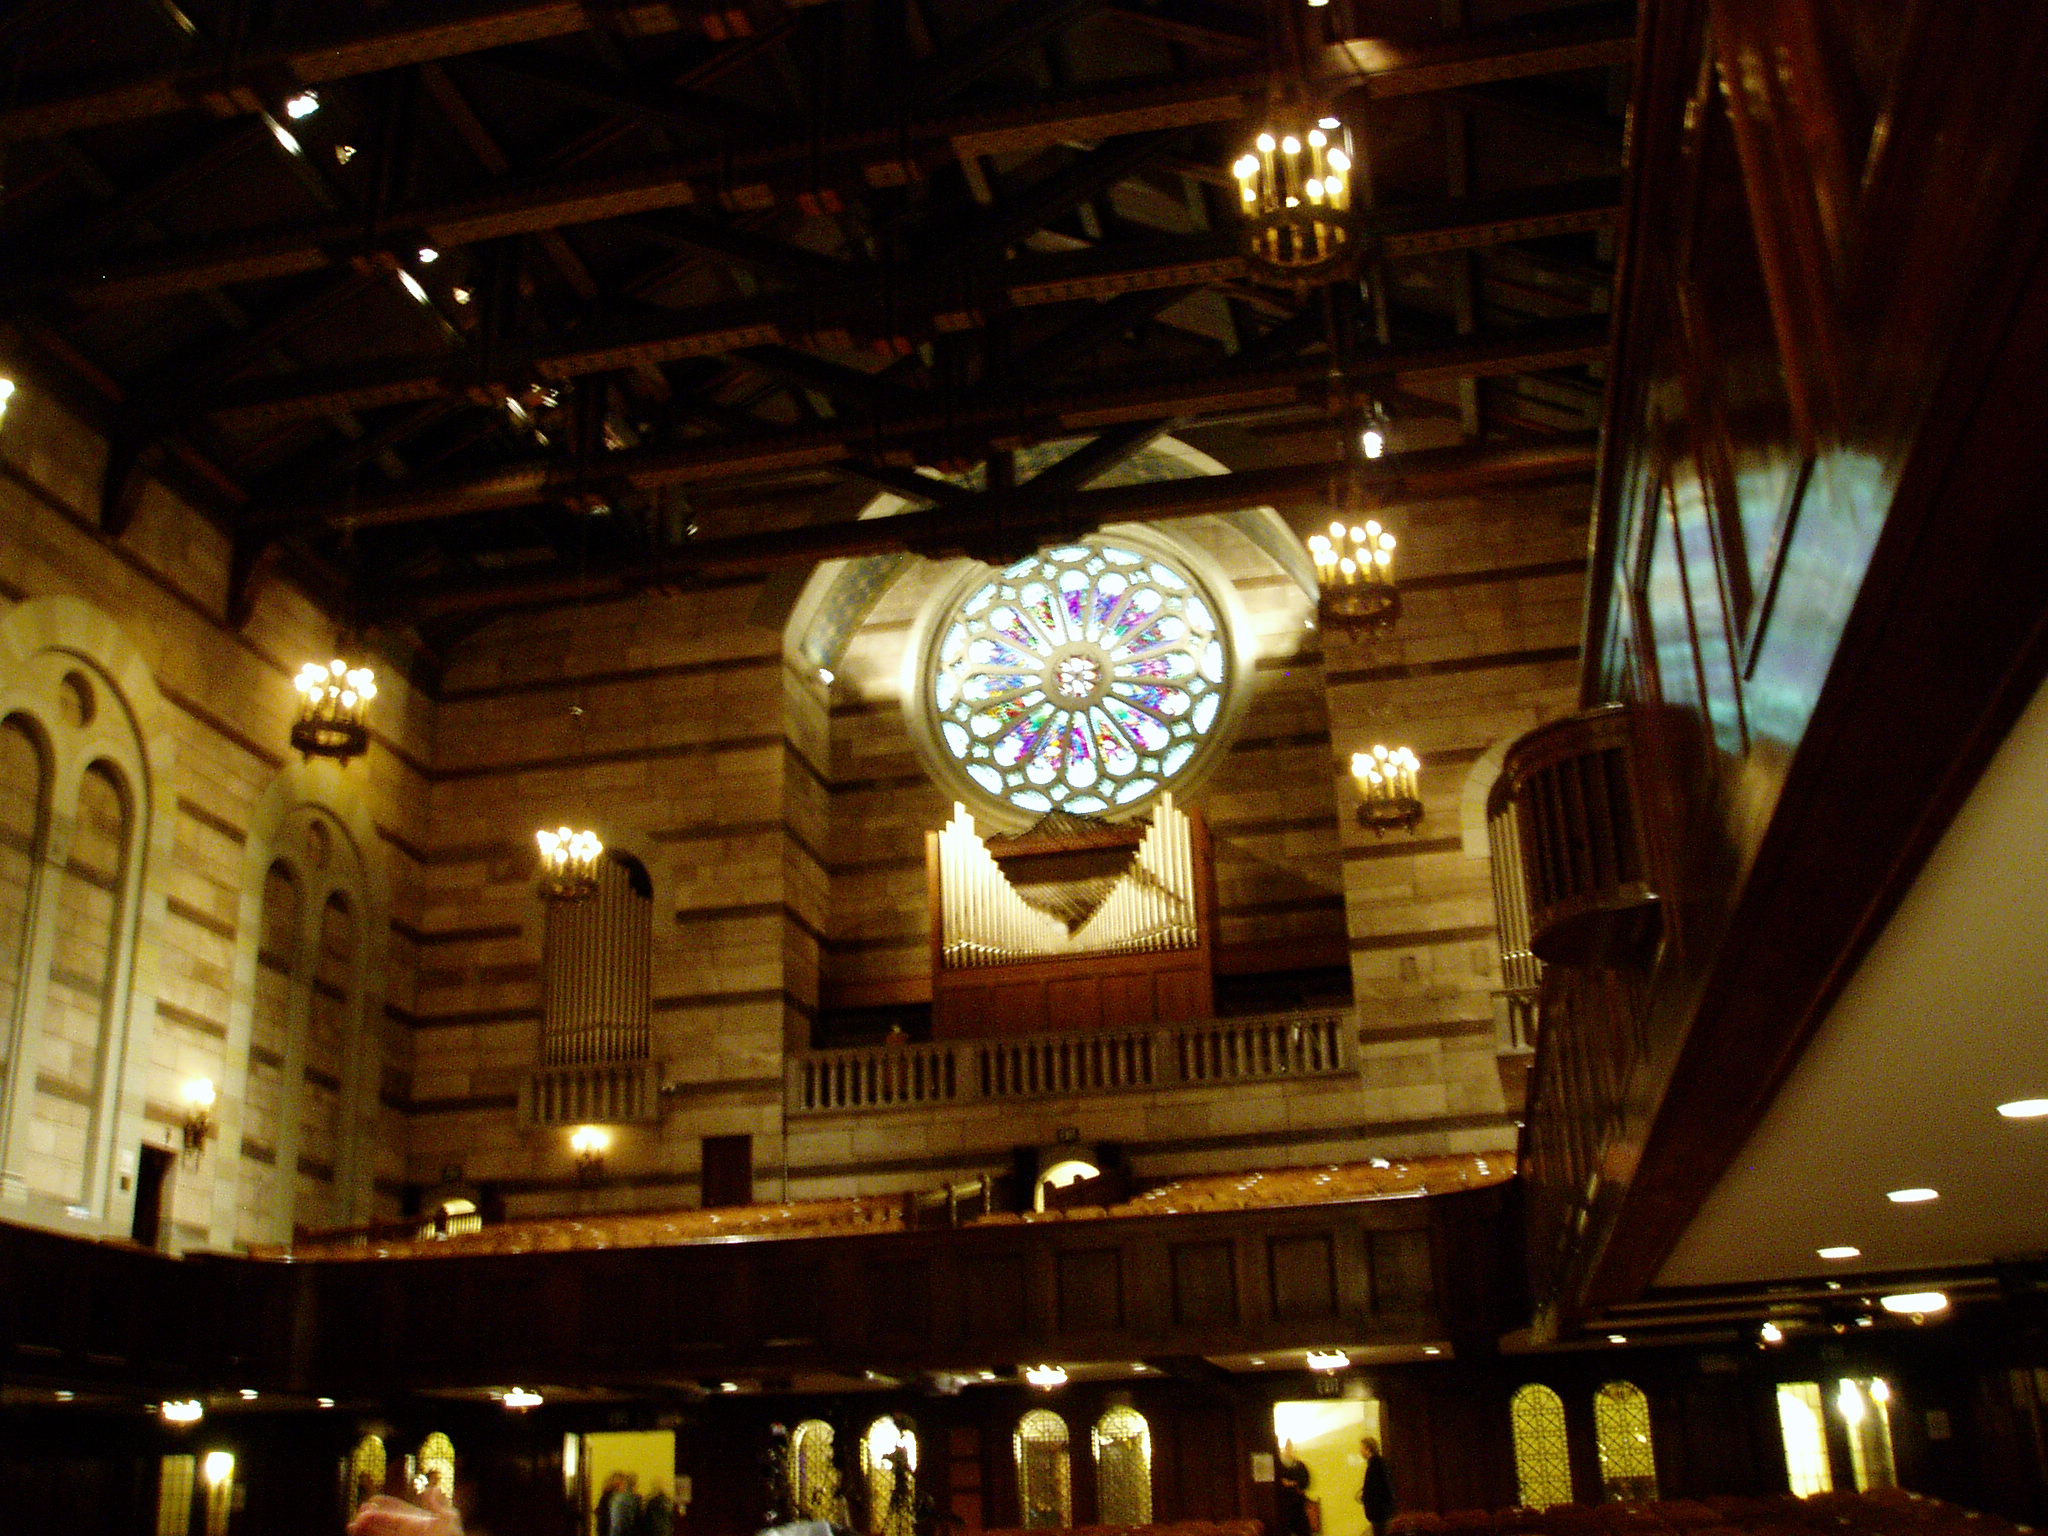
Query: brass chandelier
x,y
1391,799
1296,186
334,702
568,864
1355,578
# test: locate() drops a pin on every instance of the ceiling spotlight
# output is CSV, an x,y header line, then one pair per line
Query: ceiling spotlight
x,y
1840,1251
1617,1338
1045,1377
459,295
1916,1303
428,255
827,676
2024,1109
1771,1333
1373,441
343,153
249,1394
1431,1349
305,104
1258,1360
1326,1359
728,1386
1918,1195
1866,1321
323,1402
519,1399
64,1396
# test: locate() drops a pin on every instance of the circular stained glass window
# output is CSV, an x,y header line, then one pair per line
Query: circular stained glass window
x,y
1086,678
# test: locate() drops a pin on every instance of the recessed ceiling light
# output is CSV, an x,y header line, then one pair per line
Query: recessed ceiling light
x,y
1840,1251
1771,1333
1258,1360
63,1396
249,1394
519,1399
1431,1349
305,104
1326,1359
1916,1303
1617,1338
2024,1109
1918,1195
324,1402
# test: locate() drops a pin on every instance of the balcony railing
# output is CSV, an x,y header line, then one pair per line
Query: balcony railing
x,y
1210,1051
605,1093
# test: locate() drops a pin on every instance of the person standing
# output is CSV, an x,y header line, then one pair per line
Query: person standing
x,y
1291,1493
1377,1494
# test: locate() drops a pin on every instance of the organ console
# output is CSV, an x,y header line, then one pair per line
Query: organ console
x,y
1073,923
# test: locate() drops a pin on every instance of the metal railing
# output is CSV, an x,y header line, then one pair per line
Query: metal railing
x,y
1209,1051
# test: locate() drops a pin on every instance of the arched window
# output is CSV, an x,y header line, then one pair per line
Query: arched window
x,y
365,1471
24,823
1543,1466
1123,1467
597,970
888,1456
1621,1431
813,1478
325,1065
437,1463
1045,1474
78,1007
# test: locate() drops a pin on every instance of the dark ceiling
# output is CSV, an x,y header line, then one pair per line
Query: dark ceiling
x,y
545,297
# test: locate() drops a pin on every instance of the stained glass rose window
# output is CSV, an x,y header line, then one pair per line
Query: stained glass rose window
x,y
1083,679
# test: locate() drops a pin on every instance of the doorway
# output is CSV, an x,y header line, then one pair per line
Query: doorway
x,y
644,1459
152,1187
1324,1434
728,1176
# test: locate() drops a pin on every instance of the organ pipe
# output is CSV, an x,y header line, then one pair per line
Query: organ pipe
x,y
596,966
1150,907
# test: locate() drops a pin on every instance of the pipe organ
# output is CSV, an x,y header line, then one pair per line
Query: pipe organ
x,y
1075,922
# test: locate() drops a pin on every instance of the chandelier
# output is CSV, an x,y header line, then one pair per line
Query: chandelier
x,y
1294,187
1355,575
568,864
1387,782
334,701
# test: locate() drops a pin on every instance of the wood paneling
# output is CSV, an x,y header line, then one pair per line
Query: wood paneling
x,y
1817,547
1304,1276
1204,1283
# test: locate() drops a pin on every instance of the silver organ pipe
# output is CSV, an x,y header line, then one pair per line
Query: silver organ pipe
x,y
1151,906
596,975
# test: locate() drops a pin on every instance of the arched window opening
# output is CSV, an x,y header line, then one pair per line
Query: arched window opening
x,y
78,1006
365,1471
277,952
813,1476
1621,1432
24,822
437,1463
1543,1466
1045,1474
1123,1467
597,967
888,1456
325,1065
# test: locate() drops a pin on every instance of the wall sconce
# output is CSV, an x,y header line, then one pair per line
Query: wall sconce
x,y
590,1143
199,1096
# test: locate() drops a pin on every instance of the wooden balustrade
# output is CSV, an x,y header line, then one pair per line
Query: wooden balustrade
x,y
1292,1045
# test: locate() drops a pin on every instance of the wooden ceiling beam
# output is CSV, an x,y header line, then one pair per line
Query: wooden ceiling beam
x,y
1409,479
1014,418
1168,268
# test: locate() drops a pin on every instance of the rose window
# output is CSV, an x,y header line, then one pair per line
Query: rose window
x,y
1083,679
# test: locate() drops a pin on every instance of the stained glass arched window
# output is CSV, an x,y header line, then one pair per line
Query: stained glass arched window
x,y
888,1455
437,1463
813,1478
1045,1475
1086,678
1621,1431
1123,1467
365,1471
1543,1467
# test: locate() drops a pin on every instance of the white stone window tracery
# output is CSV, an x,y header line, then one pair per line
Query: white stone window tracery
x,y
1086,678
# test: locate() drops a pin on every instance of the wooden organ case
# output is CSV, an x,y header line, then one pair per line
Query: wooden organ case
x,y
1075,924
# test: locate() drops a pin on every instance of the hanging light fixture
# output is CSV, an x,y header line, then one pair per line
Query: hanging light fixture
x,y
568,864
1387,784
1296,186
334,702
1355,577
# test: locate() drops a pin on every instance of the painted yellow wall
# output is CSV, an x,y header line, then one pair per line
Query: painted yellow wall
x,y
1325,1433
649,1455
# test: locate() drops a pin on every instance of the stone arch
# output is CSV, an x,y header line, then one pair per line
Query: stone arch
x,y
79,683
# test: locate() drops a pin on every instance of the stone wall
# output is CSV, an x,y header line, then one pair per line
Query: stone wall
x,y
780,813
